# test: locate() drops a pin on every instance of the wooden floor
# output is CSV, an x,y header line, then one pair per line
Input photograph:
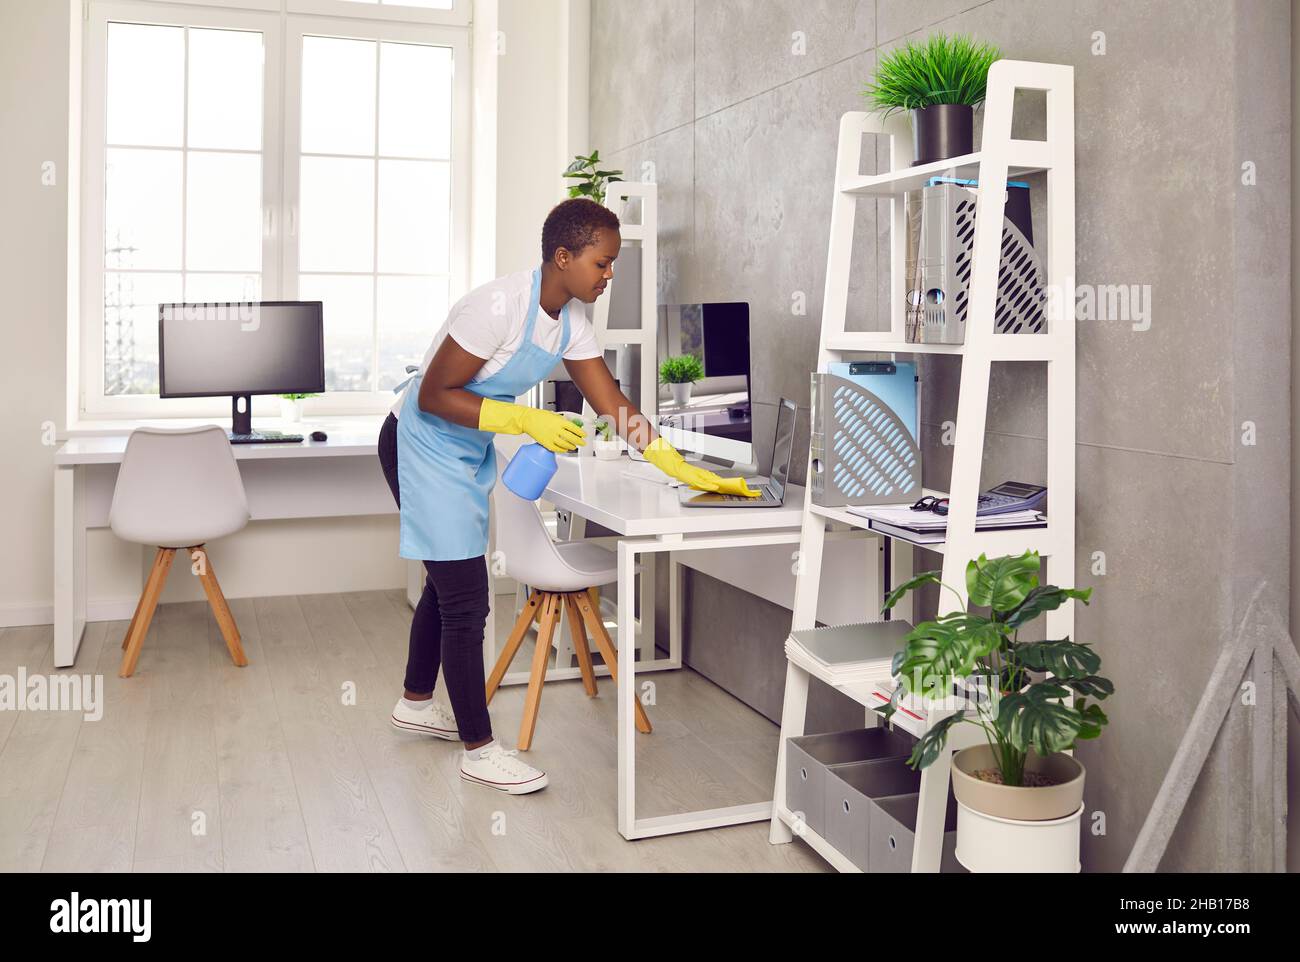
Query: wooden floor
x,y
197,765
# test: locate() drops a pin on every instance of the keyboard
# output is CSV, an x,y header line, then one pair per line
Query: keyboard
x,y
263,437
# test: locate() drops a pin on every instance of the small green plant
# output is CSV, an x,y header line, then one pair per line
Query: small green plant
x,y
592,181
297,397
683,369
601,426
941,70
1021,712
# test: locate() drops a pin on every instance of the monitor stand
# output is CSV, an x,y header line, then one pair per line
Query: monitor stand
x,y
241,425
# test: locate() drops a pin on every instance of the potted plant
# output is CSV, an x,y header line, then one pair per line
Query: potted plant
x,y
291,407
605,444
680,373
591,179
941,81
1019,796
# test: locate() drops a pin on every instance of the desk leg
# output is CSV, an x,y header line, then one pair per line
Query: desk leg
x,y
69,563
674,610
627,687
646,642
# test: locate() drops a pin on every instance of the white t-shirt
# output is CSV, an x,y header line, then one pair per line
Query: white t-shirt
x,y
489,322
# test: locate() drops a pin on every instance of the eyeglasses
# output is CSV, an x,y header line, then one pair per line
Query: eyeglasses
x,y
931,503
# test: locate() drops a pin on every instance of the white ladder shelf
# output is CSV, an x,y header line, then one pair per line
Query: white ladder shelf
x,y
1001,157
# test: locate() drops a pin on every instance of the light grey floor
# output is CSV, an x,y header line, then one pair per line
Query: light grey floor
x,y
198,765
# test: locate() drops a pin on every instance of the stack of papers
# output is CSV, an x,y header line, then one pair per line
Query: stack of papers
x,y
851,653
926,527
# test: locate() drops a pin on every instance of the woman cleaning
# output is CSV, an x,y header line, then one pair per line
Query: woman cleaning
x,y
498,341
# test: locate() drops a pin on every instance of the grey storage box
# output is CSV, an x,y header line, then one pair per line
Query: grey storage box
x,y
892,832
850,790
808,757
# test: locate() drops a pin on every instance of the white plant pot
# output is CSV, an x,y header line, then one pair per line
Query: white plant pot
x,y
988,843
606,450
291,411
681,393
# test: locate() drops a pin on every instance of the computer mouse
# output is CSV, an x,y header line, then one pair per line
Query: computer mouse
x,y
319,436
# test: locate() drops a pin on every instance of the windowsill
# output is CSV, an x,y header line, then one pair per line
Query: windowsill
x,y
342,423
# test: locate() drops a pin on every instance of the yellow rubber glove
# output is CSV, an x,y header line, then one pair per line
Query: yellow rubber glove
x,y
670,461
552,431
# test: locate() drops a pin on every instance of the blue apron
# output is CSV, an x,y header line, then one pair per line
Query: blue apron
x,y
445,471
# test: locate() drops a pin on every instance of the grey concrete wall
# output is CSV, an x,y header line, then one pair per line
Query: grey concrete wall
x,y
741,131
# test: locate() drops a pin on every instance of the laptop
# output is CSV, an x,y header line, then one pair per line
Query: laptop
x,y
773,495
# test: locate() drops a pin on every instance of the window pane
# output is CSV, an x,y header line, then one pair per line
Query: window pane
x,y
142,208
337,230
414,216
411,309
338,96
349,315
222,288
414,100
426,4
131,329
225,89
145,77
223,215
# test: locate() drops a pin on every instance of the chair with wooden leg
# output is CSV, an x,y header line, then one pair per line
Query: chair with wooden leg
x,y
562,577
178,489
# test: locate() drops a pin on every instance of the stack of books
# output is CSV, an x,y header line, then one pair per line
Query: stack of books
x,y
926,527
851,654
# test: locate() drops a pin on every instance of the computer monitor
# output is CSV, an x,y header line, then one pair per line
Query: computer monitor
x,y
711,416
241,349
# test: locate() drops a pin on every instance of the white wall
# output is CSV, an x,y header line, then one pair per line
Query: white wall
x,y
267,558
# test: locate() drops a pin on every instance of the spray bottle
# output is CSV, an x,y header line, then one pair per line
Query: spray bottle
x,y
533,466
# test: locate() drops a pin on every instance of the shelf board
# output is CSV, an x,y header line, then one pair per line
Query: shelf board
x,y
1007,541
965,167
1002,347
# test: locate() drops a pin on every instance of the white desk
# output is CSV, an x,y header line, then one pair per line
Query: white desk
x,y
340,477
649,519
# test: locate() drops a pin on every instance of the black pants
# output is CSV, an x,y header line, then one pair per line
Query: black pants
x,y
447,628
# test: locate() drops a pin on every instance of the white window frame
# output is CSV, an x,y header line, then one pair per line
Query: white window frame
x,y
459,15
363,402
280,170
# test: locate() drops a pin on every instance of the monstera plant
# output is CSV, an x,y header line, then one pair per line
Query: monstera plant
x,y
1024,711
1030,699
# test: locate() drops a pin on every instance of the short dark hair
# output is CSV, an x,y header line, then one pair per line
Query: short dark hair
x,y
572,224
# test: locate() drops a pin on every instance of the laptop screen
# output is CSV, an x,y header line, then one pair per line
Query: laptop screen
x,y
784,445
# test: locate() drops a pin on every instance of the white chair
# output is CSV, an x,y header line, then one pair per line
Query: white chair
x,y
563,577
178,488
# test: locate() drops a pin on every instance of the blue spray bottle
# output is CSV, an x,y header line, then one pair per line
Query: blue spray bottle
x,y
533,466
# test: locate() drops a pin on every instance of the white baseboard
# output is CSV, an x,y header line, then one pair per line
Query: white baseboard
x,y
15,616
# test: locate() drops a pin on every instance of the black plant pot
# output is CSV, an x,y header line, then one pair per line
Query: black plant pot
x,y
941,131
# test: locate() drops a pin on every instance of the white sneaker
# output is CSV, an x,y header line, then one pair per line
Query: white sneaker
x,y
498,768
436,720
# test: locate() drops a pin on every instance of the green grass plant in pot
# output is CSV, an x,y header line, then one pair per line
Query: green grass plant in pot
x,y
680,373
940,81
1019,794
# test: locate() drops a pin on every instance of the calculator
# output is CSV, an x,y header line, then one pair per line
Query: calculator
x,y
1007,496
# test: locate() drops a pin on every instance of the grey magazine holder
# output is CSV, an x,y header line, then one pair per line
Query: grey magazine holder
x,y
938,283
861,452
